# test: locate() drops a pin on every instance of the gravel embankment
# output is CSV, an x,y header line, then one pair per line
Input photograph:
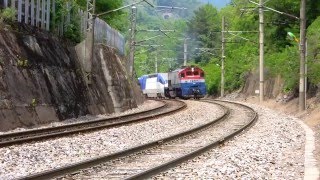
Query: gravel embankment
x,y
272,149
149,104
21,160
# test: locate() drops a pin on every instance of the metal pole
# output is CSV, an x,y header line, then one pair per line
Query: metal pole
x,y
89,64
185,51
222,56
156,61
261,58
132,40
306,78
92,33
302,74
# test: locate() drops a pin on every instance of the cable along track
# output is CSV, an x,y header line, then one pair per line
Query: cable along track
x,y
149,159
168,107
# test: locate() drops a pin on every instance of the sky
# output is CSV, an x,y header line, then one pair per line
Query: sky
x,y
218,3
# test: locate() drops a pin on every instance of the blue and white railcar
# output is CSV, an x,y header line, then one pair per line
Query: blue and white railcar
x,y
152,85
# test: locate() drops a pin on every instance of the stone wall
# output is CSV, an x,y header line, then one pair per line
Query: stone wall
x,y
41,81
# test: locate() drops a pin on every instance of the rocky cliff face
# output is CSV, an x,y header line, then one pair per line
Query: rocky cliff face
x,y
41,81
274,88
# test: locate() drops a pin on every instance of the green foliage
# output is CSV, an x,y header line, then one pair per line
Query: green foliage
x,y
240,59
172,42
24,63
242,56
118,19
281,53
33,103
212,76
313,37
73,31
1,61
203,27
314,73
8,14
285,64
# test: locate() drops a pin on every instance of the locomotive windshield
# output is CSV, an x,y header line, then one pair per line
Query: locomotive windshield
x,y
190,73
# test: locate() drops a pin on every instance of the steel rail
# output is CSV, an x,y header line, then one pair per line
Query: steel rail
x,y
152,171
45,133
58,172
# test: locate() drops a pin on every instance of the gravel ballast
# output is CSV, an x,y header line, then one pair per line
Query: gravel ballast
x,y
21,160
149,104
272,149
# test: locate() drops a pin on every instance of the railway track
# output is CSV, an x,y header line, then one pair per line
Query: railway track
x,y
149,159
168,106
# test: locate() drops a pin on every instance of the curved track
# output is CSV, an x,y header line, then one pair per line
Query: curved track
x,y
148,159
166,108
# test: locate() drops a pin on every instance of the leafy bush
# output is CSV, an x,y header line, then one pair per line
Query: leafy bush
x,y
212,76
73,32
314,52
8,15
71,29
285,63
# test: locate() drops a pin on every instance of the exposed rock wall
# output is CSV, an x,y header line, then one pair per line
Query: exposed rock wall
x,y
272,86
109,78
41,81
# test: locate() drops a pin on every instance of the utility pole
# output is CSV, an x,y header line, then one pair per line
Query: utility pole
x,y
132,40
185,51
261,58
261,42
90,40
222,56
302,93
156,61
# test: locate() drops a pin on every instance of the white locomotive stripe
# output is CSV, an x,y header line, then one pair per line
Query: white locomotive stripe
x,y
192,80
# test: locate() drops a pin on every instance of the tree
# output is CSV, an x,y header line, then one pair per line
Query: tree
x,y
118,19
313,37
203,28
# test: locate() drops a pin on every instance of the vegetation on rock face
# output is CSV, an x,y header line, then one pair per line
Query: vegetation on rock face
x,y
7,15
118,19
313,42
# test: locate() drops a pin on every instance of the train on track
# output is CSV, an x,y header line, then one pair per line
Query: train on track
x,y
186,82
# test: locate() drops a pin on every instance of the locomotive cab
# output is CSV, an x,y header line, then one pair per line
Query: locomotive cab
x,y
186,83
